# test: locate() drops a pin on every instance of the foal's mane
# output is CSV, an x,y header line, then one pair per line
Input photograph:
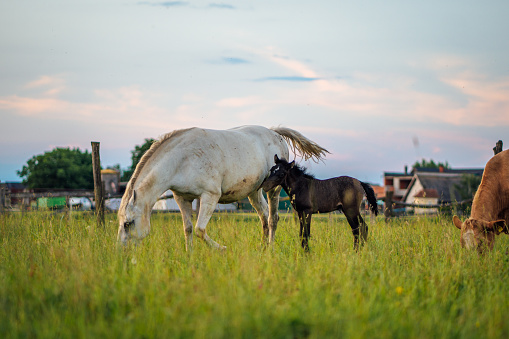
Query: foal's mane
x,y
301,171
145,158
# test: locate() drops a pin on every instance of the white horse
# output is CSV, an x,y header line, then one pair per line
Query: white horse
x,y
211,165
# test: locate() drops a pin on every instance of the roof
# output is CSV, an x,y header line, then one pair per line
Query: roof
x,y
14,185
474,171
379,191
397,174
427,193
443,183
109,171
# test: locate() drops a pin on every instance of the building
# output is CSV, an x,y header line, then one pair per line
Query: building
x,y
111,179
427,186
397,183
426,196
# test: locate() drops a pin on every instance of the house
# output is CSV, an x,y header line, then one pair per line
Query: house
x,y
433,188
9,188
111,179
426,196
422,184
397,183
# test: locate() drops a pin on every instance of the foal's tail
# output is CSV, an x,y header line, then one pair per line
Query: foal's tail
x,y
306,148
370,194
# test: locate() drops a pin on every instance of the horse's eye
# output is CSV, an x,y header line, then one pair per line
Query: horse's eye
x,y
128,224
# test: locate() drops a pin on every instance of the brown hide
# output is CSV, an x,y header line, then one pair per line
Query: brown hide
x,y
490,208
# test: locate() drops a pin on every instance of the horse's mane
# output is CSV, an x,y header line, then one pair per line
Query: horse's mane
x,y
145,158
299,170
302,171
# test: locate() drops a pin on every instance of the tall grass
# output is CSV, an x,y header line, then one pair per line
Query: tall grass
x,y
62,277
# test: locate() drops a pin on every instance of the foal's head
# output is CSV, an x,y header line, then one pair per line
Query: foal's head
x,y
277,173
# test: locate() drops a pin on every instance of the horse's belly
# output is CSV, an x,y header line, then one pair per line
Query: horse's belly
x,y
240,190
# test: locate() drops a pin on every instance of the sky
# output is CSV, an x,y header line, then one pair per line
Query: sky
x,y
380,84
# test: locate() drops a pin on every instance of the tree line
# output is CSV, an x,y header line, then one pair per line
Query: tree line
x,y
71,168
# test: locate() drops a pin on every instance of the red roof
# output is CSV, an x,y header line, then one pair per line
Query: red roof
x,y
427,193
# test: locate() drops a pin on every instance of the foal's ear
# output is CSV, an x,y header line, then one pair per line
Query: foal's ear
x,y
276,159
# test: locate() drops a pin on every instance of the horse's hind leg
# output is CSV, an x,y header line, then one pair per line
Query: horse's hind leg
x,y
260,205
358,227
364,230
208,204
186,209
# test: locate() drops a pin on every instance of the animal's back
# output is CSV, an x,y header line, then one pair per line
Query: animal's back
x,y
232,162
493,193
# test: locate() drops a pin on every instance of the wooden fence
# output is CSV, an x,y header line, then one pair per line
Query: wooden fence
x,y
390,205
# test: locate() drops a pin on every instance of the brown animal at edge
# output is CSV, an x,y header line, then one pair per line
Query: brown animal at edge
x,y
490,208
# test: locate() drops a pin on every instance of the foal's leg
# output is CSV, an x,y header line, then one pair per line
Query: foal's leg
x,y
186,209
208,202
260,205
305,229
364,230
355,225
273,201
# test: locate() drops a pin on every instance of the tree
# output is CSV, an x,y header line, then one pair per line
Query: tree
x,y
136,155
60,168
466,188
430,164
468,185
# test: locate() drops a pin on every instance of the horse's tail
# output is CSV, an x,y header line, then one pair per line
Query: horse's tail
x,y
370,194
306,148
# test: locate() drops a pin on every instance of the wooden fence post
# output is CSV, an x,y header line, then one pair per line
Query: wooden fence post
x,y
498,147
2,198
388,205
98,191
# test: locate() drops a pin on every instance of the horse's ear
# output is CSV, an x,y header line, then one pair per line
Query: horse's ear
x,y
276,159
292,164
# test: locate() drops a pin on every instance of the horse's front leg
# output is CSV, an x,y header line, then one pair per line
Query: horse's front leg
x,y
186,209
273,201
305,229
208,203
260,205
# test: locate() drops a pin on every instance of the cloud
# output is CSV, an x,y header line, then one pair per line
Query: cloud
x,y
288,78
116,106
240,102
234,61
228,61
53,85
165,3
221,6
478,100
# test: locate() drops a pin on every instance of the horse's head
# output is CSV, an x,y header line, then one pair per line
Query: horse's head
x,y
479,234
132,218
277,173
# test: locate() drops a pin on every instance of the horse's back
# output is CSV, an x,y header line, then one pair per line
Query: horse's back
x,y
230,162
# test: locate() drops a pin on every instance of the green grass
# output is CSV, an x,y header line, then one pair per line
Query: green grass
x,y
60,277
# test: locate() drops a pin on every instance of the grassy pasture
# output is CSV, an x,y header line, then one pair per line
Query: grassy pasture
x,y
60,277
